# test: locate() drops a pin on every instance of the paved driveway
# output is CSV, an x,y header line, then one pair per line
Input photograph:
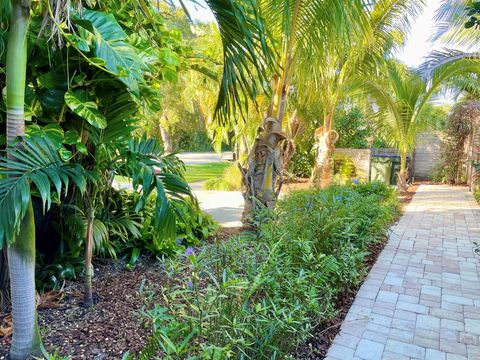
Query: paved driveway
x,y
422,298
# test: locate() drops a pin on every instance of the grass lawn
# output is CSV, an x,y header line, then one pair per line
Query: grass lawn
x,y
200,172
195,172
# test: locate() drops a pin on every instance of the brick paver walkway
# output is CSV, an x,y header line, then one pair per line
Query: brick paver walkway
x,y
422,298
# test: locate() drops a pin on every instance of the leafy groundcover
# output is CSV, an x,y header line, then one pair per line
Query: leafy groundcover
x,y
259,296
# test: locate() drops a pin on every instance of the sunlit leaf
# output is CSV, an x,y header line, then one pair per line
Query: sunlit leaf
x,y
79,103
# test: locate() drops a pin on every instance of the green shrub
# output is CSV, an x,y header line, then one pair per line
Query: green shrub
x,y
193,141
231,180
477,195
302,162
193,226
258,297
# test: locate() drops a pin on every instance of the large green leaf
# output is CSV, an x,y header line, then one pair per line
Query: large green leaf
x,y
111,45
154,173
51,100
36,162
79,103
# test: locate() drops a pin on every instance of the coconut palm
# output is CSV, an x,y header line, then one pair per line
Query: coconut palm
x,y
401,95
376,33
299,34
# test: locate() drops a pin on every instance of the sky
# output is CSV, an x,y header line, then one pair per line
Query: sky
x,y
201,13
418,44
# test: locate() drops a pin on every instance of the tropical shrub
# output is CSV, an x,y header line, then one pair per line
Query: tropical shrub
x,y
477,195
355,130
119,232
193,226
193,141
258,296
457,130
302,162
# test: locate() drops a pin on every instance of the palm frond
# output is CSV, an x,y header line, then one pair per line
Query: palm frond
x,y
441,67
33,162
438,59
154,173
247,55
450,18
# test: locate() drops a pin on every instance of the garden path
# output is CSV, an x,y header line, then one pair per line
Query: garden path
x,y
421,299
190,158
226,207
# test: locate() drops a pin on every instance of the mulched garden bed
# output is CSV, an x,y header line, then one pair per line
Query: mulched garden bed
x,y
112,326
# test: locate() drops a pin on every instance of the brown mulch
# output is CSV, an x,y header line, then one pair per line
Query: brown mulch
x,y
407,196
112,326
317,346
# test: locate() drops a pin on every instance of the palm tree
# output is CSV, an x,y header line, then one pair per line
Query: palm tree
x,y
300,31
401,95
377,31
21,252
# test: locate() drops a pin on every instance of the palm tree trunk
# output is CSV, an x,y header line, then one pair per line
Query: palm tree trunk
x,y
326,138
21,253
262,180
88,294
4,281
402,175
21,261
166,138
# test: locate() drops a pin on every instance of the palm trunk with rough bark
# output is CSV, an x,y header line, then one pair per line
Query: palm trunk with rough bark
x,y
88,292
263,178
166,138
326,138
21,253
289,146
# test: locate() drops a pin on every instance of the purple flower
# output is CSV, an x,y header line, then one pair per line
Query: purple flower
x,y
338,198
189,251
356,181
190,284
